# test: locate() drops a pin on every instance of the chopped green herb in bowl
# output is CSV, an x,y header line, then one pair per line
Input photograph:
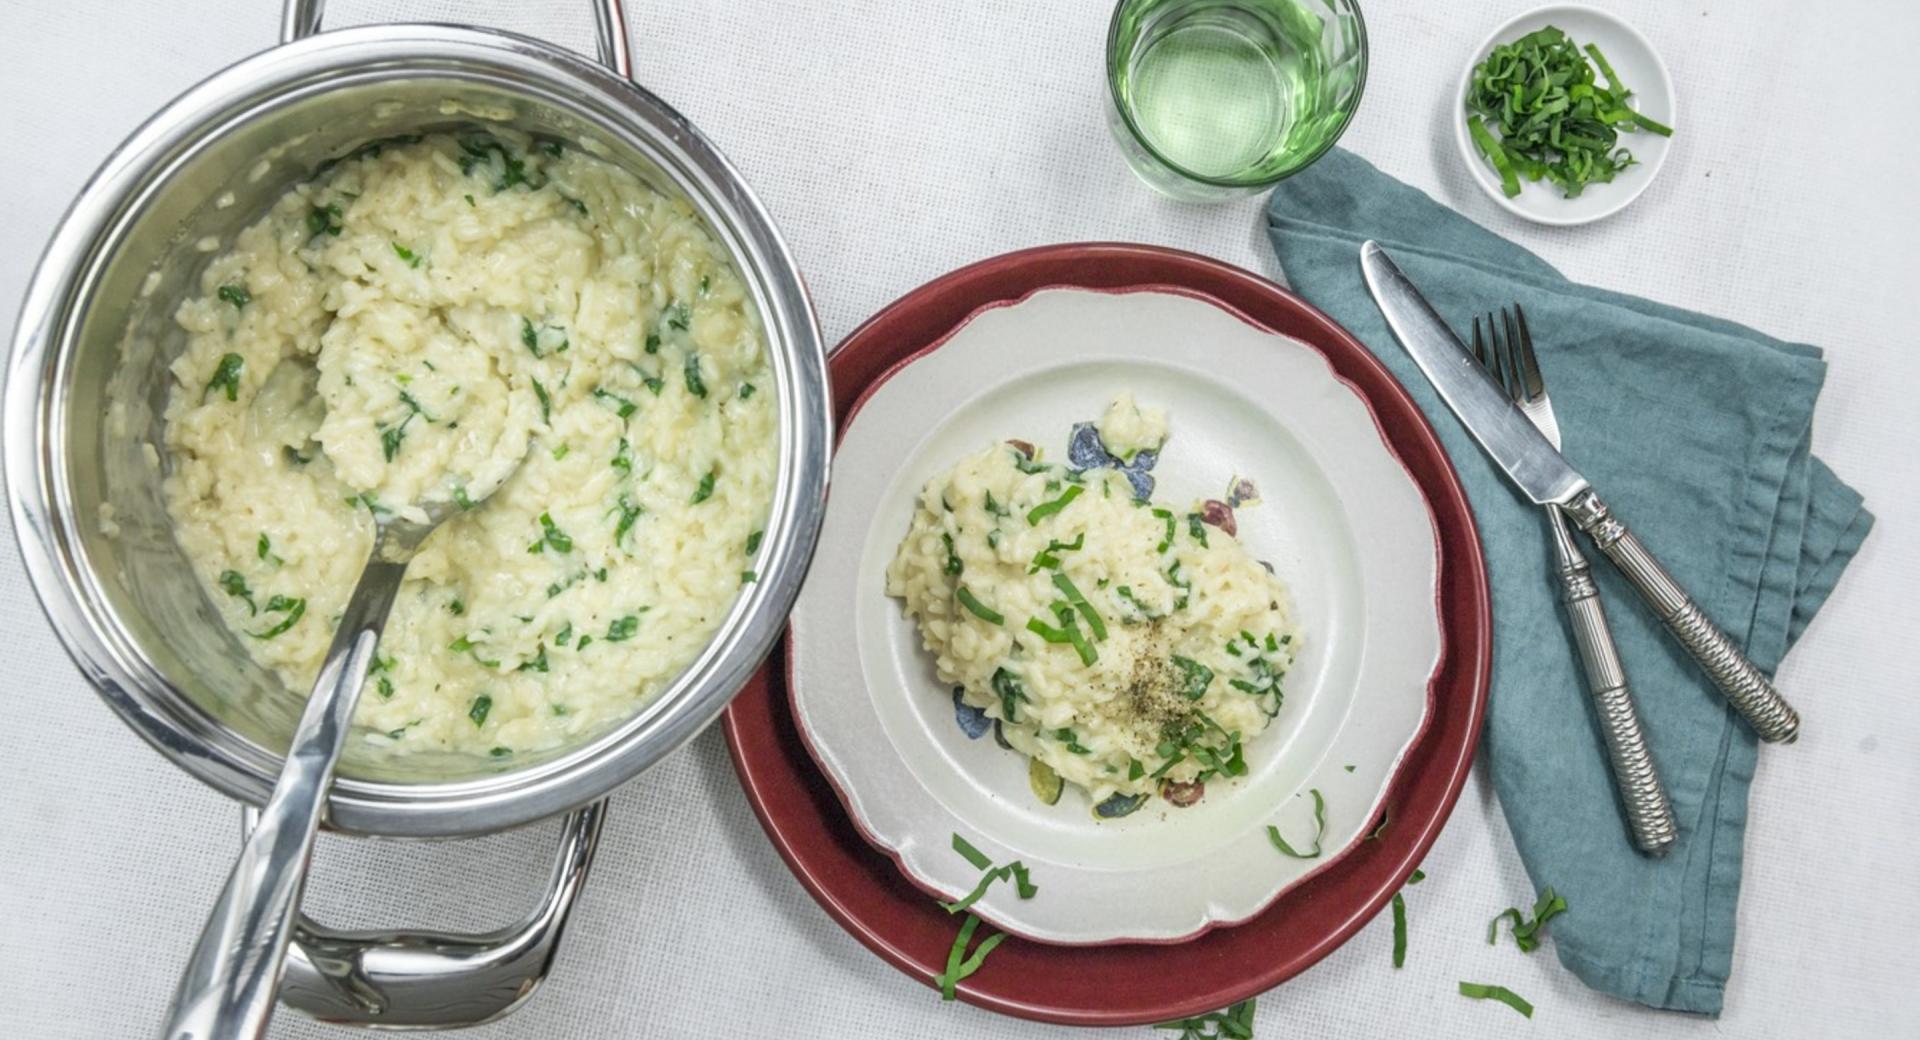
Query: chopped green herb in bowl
x,y
1574,104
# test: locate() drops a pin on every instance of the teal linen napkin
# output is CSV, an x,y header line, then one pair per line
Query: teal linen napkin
x,y
1696,431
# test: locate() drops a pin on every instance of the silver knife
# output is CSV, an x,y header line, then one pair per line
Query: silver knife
x,y
1544,475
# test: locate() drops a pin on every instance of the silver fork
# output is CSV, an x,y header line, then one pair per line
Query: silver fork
x,y
1649,812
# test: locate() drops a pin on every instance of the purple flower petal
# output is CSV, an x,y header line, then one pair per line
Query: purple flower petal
x,y
1119,805
1219,514
1142,482
1085,449
973,721
1183,795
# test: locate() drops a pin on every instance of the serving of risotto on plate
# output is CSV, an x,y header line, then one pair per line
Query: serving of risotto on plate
x,y
433,310
1125,646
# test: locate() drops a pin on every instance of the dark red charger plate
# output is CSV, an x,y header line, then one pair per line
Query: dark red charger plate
x,y
1132,983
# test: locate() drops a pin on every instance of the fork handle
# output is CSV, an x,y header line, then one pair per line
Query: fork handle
x,y
1745,686
1649,811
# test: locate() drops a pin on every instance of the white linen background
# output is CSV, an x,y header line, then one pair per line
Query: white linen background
x,y
892,142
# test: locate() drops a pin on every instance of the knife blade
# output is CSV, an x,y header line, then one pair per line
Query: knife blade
x,y
1532,462
1505,433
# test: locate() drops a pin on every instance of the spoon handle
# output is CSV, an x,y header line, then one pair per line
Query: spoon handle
x,y
227,989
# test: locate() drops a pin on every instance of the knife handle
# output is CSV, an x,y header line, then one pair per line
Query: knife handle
x,y
1649,811
1751,694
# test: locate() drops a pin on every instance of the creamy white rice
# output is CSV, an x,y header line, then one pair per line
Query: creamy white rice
x,y
1128,429
1169,666
419,317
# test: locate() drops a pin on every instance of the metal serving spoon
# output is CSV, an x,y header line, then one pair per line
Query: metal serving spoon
x,y
228,989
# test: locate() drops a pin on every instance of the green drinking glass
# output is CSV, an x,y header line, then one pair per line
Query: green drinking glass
x,y
1213,99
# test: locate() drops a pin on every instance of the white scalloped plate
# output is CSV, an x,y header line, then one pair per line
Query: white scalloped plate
x,y
1342,523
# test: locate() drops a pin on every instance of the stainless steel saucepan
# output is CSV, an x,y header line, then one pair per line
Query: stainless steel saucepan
x,y
86,391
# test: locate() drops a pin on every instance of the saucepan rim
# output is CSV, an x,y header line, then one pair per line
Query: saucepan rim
x,y
37,463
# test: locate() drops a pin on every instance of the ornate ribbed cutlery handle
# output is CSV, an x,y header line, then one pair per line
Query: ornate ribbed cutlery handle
x,y
1746,687
1649,812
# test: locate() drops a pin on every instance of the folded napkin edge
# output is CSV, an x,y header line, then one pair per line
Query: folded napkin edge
x,y
1763,604
1826,577
1553,281
1655,989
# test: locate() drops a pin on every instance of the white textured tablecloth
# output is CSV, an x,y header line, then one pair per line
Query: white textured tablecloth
x,y
893,141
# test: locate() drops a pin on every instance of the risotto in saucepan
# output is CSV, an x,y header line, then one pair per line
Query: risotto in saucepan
x,y
1124,645
433,311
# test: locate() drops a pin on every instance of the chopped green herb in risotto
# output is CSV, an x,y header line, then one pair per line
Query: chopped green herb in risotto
x,y
442,308
1129,648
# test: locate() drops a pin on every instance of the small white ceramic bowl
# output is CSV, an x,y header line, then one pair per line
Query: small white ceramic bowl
x,y
1639,68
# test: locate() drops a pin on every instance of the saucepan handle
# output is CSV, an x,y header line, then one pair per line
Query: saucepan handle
x,y
437,980
301,18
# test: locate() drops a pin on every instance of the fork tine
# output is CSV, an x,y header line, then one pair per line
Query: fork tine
x,y
1498,354
1520,391
1479,345
1502,356
1529,364
1510,356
